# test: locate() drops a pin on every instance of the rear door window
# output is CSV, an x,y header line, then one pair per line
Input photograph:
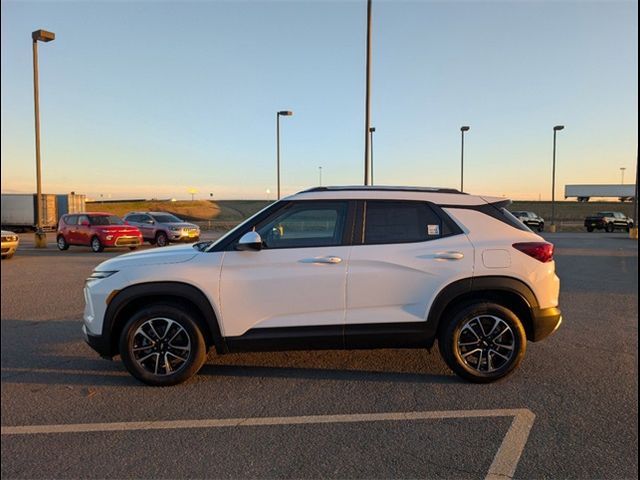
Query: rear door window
x,y
400,222
71,219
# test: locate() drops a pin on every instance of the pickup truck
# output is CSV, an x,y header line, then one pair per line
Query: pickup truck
x,y
608,221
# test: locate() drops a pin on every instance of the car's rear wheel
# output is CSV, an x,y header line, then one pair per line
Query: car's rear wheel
x,y
161,239
162,345
133,248
96,245
483,342
589,229
62,243
610,227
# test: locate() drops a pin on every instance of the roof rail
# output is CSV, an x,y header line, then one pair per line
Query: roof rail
x,y
383,188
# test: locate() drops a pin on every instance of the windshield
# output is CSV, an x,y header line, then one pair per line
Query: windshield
x,y
166,218
106,220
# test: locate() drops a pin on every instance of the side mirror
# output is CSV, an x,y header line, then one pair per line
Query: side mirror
x,y
250,241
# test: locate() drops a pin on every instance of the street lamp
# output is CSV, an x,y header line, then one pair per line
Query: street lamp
x,y
320,176
462,130
622,169
367,96
281,113
38,36
371,130
556,129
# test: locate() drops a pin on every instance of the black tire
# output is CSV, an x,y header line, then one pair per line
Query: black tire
x,y
161,239
133,248
62,243
456,331
190,336
541,227
610,227
589,229
96,245
8,256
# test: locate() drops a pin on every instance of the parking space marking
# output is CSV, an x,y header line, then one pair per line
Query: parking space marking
x,y
503,466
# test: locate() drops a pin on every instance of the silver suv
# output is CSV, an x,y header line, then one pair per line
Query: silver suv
x,y
162,228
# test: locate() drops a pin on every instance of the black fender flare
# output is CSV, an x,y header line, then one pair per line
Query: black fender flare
x,y
472,285
123,298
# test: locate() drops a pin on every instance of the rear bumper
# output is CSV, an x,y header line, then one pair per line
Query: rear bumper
x,y
98,343
545,322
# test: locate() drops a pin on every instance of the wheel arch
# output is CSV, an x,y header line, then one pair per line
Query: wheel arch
x,y
506,291
129,299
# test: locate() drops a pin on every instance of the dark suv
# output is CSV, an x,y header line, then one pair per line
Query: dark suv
x,y
530,219
608,221
161,228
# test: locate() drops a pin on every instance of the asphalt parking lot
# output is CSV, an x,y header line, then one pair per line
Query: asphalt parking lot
x,y
570,411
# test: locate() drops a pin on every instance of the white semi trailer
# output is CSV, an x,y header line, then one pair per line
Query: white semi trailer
x,y
584,192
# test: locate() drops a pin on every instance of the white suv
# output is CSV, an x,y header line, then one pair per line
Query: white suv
x,y
335,268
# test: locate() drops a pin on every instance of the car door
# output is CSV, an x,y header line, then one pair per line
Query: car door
x,y
68,228
298,278
82,233
408,252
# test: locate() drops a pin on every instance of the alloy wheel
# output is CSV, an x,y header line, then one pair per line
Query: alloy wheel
x,y
161,346
486,343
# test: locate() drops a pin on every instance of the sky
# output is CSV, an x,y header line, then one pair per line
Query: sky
x,y
155,98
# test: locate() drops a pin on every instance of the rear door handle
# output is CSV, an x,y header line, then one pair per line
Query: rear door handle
x,y
450,255
331,260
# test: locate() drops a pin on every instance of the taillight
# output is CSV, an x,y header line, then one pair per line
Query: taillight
x,y
541,251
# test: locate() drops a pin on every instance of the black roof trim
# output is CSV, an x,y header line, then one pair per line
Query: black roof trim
x,y
383,188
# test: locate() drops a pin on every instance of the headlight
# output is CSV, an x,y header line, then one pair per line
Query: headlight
x,y
175,229
109,237
99,275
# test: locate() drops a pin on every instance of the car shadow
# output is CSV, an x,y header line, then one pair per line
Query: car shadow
x,y
52,352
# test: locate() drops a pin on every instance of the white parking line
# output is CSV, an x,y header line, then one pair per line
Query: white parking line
x,y
503,466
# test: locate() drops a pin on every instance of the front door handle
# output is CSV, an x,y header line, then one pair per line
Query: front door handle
x,y
450,255
331,260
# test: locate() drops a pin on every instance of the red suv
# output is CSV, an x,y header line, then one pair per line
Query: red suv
x,y
96,230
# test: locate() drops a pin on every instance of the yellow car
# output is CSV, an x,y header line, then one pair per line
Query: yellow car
x,y
10,242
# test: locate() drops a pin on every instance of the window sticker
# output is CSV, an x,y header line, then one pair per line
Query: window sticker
x,y
433,229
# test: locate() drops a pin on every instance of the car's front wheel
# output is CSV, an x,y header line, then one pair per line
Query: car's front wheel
x,y
161,239
483,342
62,243
96,245
541,227
162,345
610,227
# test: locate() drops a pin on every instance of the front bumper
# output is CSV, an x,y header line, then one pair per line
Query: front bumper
x,y
185,236
545,322
122,241
98,343
9,248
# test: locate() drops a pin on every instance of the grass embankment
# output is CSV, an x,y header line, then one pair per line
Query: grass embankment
x,y
216,215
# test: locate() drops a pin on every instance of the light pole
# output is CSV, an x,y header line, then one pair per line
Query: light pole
x,y
556,129
634,231
371,130
462,130
622,169
367,96
281,113
320,176
42,36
